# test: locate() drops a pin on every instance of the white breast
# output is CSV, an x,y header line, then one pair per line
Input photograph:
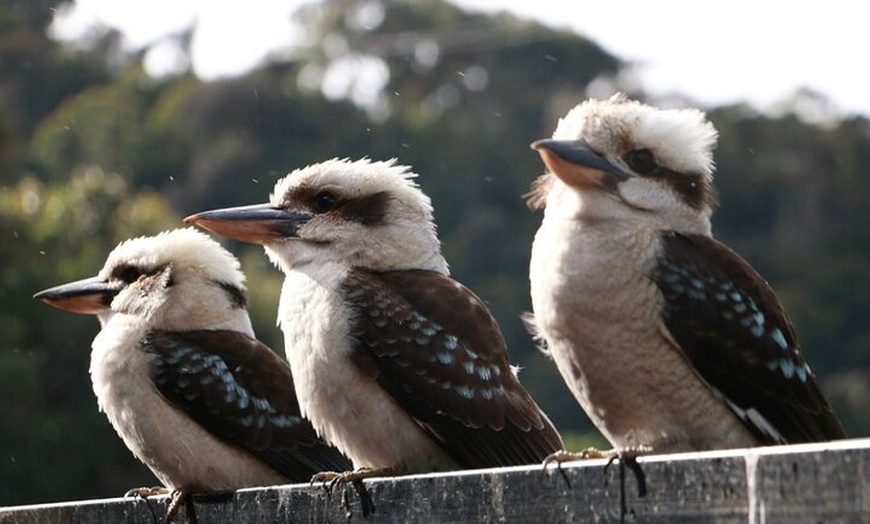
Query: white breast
x,y
598,310
177,450
346,407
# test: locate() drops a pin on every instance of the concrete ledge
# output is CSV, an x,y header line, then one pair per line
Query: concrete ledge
x,y
786,484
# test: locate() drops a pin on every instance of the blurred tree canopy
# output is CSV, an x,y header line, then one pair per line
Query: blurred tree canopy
x,y
93,150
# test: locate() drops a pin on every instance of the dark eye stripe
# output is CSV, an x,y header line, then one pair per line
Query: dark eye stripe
x,y
691,188
368,210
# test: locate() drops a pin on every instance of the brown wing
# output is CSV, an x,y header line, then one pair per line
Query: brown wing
x,y
237,389
730,325
435,347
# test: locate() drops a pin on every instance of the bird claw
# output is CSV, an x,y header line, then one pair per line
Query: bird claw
x,y
627,458
631,452
177,499
333,479
141,493
330,480
567,456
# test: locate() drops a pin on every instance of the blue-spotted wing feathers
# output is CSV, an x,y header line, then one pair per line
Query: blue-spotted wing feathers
x,y
728,322
240,391
435,347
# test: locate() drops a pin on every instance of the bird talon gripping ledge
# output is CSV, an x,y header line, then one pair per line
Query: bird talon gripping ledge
x,y
332,480
329,480
665,336
144,492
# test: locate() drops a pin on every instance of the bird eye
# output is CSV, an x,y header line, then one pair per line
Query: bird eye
x,y
642,161
324,202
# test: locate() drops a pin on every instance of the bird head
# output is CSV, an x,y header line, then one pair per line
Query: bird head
x,y
179,279
354,213
619,158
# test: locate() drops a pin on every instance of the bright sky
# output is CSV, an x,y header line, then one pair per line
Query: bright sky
x,y
714,52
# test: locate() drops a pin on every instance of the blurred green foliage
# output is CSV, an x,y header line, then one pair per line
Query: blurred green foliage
x,y
54,233
93,152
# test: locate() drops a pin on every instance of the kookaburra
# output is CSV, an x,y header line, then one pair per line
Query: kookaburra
x,y
401,367
178,372
668,339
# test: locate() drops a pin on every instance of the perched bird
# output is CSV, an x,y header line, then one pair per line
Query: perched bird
x,y
397,364
667,338
178,372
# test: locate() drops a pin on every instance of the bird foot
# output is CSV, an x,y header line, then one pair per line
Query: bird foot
x,y
177,499
141,493
627,458
594,453
334,479
567,456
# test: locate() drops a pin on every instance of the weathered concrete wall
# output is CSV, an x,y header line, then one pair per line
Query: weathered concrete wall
x,y
788,484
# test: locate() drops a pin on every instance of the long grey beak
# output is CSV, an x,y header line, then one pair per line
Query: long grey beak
x,y
577,164
89,296
257,224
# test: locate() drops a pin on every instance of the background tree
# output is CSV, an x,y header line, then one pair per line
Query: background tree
x,y
94,150
55,442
